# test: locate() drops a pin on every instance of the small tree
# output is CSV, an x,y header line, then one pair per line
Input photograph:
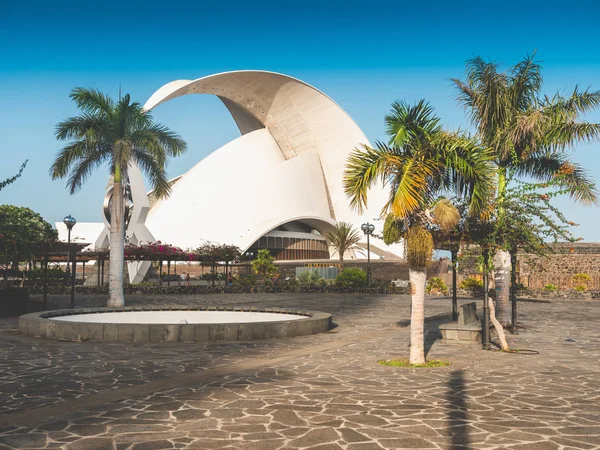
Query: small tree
x,y
22,232
264,264
521,217
343,237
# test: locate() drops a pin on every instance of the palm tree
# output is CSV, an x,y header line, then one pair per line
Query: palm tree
x,y
528,134
118,134
343,238
419,163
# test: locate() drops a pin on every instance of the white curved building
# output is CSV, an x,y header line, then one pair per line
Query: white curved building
x,y
279,184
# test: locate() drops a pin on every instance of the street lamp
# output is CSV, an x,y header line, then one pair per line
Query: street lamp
x,y
249,256
70,222
368,229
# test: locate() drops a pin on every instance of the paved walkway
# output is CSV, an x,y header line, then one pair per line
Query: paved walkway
x,y
320,392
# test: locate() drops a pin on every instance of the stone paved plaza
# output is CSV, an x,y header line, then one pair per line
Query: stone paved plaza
x,y
324,391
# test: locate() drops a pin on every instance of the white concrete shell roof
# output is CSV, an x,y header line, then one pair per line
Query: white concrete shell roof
x,y
287,165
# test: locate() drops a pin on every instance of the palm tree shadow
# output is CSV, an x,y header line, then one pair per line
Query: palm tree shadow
x,y
457,411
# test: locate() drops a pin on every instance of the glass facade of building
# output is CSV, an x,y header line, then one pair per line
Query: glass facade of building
x,y
292,248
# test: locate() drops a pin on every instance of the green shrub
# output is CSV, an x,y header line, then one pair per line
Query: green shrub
x,y
581,278
264,264
551,287
247,280
471,284
351,277
309,278
210,276
436,286
580,281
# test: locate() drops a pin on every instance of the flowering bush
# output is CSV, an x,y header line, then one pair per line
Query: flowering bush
x,y
214,252
156,251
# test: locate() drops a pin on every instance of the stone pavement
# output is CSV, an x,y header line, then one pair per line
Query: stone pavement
x,y
321,392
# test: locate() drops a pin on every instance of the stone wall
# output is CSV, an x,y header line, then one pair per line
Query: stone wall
x,y
535,272
558,268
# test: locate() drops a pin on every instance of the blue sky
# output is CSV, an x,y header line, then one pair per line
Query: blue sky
x,y
364,55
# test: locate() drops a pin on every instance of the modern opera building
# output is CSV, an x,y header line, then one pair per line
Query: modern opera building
x,y
279,184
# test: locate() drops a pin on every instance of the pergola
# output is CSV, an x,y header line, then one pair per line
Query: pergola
x,y
61,252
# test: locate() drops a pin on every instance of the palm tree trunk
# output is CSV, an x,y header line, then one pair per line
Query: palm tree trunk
x,y
502,283
417,316
117,243
499,328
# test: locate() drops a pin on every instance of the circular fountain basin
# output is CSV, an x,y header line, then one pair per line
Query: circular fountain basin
x,y
180,317
173,324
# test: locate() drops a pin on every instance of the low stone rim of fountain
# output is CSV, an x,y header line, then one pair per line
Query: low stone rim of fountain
x,y
43,324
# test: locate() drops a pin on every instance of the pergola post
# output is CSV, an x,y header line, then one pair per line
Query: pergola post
x,y
454,253
98,267
169,272
160,264
513,291
45,282
73,254
175,272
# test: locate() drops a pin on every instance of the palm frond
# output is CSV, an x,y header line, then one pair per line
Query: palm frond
x,y
407,123
469,169
571,107
84,125
413,185
92,101
67,157
159,141
560,136
548,165
154,171
525,83
488,100
365,167
83,168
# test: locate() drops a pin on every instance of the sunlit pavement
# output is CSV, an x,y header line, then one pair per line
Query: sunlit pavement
x,y
323,391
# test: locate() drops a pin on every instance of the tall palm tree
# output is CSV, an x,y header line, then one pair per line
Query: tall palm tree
x,y
118,134
343,237
528,134
419,163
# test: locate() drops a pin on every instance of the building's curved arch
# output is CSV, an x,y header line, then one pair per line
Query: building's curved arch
x,y
300,131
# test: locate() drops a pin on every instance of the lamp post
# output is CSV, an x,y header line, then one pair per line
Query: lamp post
x,y
70,222
368,229
249,256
